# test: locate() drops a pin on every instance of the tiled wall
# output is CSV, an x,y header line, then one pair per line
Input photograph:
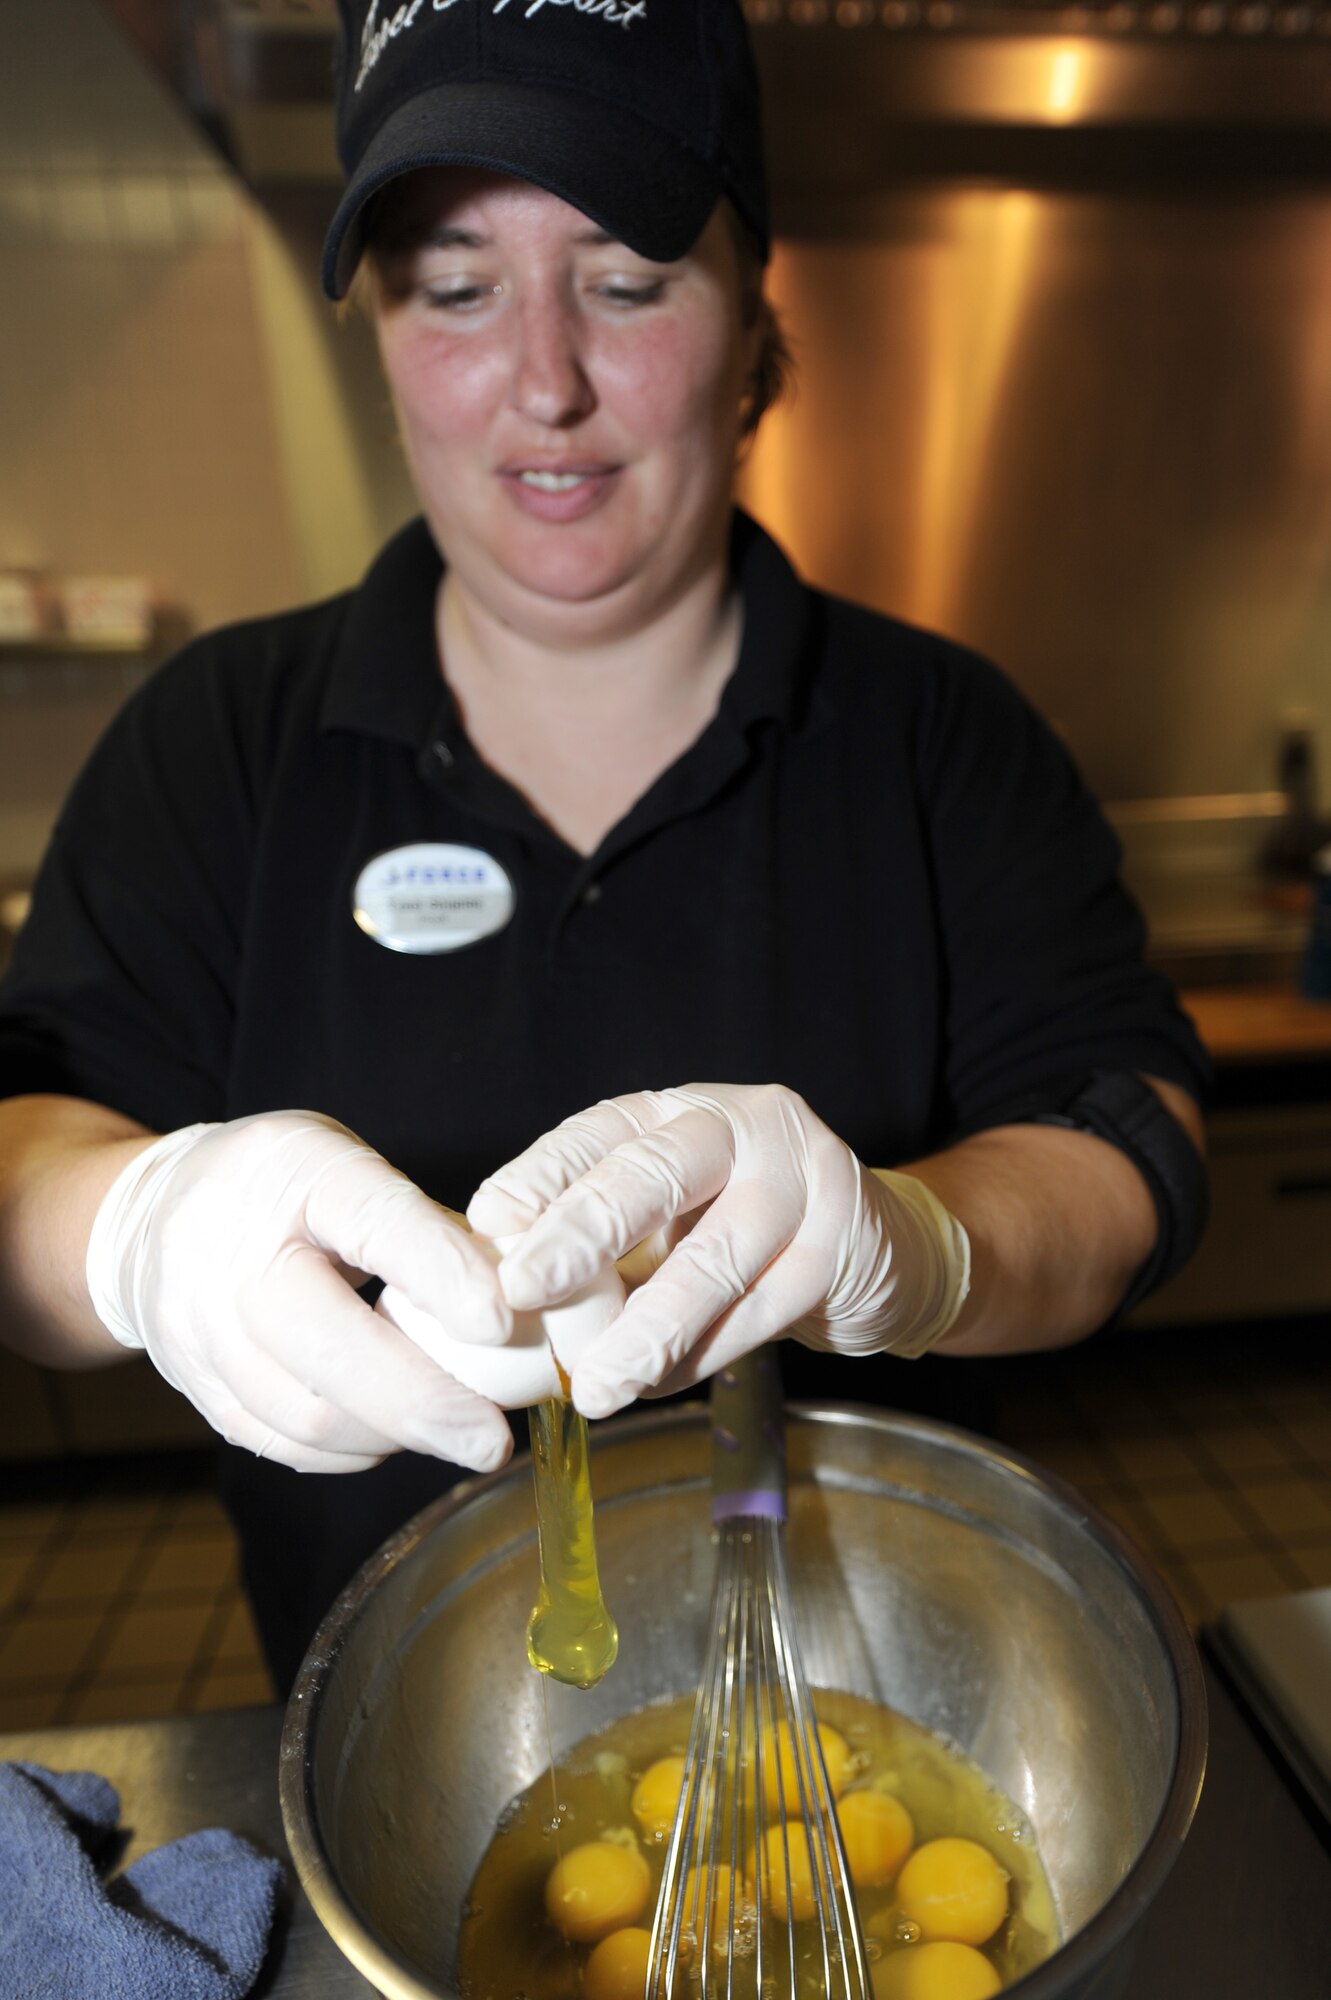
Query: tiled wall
x,y
120,1598
1210,1449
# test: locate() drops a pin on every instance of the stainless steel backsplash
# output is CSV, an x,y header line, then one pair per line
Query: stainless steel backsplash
x,y
1090,433
1062,312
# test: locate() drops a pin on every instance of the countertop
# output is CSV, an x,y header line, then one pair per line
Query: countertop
x,y
1246,1910
1242,1024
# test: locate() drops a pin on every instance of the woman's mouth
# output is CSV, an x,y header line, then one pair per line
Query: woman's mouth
x,y
554,482
559,493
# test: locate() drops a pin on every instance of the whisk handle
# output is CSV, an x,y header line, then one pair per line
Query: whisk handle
x,y
749,1439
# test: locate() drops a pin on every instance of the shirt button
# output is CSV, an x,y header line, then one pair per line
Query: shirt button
x,y
592,893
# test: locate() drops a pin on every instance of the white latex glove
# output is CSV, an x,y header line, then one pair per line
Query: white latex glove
x,y
218,1250
794,1236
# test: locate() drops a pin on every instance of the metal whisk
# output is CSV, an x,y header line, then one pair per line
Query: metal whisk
x,y
755,1897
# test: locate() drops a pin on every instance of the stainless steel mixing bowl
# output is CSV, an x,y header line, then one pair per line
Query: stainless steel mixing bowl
x,y
932,1572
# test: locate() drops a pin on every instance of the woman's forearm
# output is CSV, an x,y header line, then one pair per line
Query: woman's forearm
x,y
1059,1223
58,1156
226,1251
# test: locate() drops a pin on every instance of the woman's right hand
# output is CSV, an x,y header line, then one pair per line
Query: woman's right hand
x,y
225,1251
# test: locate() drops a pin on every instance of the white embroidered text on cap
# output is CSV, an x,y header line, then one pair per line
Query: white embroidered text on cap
x,y
378,33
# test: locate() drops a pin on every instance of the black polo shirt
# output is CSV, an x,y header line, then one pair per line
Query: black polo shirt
x,y
875,876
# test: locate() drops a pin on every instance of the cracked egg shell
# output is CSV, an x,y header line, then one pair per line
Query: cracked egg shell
x,y
524,1369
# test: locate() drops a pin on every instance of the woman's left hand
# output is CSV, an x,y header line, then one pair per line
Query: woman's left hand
x,y
758,1219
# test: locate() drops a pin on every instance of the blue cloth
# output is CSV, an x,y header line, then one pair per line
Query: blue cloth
x,y
190,1921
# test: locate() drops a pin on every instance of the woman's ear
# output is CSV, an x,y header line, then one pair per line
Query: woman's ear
x,y
362,294
771,373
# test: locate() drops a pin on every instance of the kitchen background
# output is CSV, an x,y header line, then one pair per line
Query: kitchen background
x,y
1059,285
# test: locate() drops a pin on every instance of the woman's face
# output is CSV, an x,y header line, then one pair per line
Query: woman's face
x,y
570,411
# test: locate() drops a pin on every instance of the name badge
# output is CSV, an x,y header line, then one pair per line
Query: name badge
x,y
431,897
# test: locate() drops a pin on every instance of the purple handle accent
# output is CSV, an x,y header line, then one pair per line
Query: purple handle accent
x,y
763,1502
748,1441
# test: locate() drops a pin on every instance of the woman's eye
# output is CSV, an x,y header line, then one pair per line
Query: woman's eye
x,y
623,292
459,298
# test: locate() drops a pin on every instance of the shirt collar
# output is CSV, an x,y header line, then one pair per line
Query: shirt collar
x,y
768,681
385,679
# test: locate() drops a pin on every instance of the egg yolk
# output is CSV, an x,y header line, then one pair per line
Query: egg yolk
x,y
656,1795
786,1892
617,1968
877,1833
731,1916
955,1890
935,1972
597,1888
781,1781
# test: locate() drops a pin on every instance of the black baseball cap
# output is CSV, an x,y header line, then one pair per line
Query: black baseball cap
x,y
641,113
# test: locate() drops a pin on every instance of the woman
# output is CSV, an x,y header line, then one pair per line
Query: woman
x,y
582,792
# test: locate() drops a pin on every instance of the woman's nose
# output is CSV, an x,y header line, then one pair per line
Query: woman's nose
x,y
550,381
